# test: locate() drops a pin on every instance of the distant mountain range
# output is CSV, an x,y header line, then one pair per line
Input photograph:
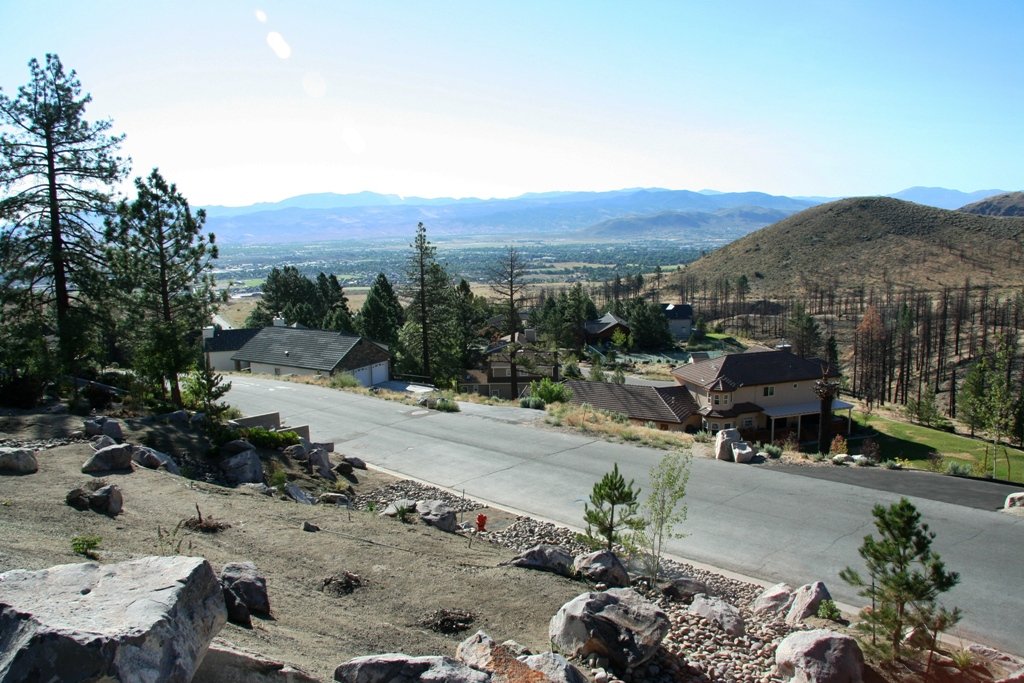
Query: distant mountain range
x,y
1009,204
638,213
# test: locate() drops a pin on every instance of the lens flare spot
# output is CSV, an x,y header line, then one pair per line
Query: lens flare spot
x,y
314,84
279,45
261,16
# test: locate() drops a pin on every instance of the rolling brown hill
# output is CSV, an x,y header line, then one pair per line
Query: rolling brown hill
x,y
1008,204
871,241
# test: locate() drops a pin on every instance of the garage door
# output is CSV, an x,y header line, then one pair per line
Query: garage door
x,y
379,373
362,375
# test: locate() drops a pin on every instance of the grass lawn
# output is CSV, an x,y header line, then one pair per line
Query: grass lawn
x,y
915,442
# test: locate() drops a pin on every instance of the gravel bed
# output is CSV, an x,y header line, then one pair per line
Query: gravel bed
x,y
380,498
695,650
40,445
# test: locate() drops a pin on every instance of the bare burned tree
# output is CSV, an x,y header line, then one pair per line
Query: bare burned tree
x,y
826,391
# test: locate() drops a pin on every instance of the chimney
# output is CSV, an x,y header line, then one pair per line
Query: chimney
x,y
280,321
209,332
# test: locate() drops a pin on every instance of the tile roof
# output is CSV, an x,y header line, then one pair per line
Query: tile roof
x,y
298,348
229,340
658,404
729,372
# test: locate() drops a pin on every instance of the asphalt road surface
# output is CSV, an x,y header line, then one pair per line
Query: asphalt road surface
x,y
755,521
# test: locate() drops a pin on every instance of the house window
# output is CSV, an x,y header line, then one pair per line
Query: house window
x,y
721,399
769,391
501,372
714,427
727,425
748,422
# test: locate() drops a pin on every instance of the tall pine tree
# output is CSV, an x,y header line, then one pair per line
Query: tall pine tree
x,y
381,316
56,172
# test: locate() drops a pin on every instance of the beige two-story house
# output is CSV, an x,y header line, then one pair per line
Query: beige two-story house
x,y
763,394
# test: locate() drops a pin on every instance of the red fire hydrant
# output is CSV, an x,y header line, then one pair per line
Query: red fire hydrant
x,y
481,523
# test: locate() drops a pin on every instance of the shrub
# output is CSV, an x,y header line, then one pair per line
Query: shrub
x,y
264,438
446,405
277,478
936,463
958,469
612,508
773,450
790,443
534,402
572,370
702,436
827,610
343,380
890,465
838,445
549,391
871,450
818,457
618,418
86,545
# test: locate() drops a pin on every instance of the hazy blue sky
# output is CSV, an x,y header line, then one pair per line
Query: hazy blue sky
x,y
240,102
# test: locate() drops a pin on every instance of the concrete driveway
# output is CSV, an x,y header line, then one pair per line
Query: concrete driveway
x,y
758,521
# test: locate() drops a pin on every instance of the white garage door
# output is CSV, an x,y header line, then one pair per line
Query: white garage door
x,y
362,375
379,373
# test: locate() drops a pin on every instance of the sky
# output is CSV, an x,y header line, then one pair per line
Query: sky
x,y
241,102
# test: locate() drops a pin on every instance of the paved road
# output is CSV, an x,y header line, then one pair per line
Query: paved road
x,y
755,521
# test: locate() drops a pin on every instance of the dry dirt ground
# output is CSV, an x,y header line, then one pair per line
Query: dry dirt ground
x,y
408,571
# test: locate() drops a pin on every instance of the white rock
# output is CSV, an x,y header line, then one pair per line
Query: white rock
x,y
1014,500
723,443
774,599
111,458
545,558
148,620
17,461
806,599
819,656
601,566
396,667
718,611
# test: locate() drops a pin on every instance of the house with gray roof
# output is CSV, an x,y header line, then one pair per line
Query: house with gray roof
x,y
601,330
669,408
680,319
220,345
762,392
290,351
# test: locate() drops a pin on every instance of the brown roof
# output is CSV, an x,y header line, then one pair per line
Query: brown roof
x,y
730,372
657,404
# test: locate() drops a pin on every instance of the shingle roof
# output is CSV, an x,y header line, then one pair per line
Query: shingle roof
x,y
658,404
728,373
605,322
677,311
297,348
229,340
735,410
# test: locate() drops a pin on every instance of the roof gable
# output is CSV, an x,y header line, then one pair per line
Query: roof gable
x,y
298,348
730,372
604,323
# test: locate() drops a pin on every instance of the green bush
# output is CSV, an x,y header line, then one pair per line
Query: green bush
x,y
827,610
958,469
86,545
773,450
534,402
264,438
446,405
549,391
343,380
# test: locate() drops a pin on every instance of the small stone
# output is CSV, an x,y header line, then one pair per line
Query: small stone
x,y
309,526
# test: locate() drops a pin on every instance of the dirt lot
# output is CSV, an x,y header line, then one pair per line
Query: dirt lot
x,y
408,571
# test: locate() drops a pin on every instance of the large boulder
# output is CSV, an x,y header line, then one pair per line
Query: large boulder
x,y
227,663
545,558
110,459
98,496
320,462
742,452
18,461
819,656
101,441
147,620
504,662
682,588
806,599
235,447
617,624
242,468
357,463
436,513
112,428
723,443
153,459
293,491
719,612
94,426
398,668
1014,500
775,599
601,566
248,586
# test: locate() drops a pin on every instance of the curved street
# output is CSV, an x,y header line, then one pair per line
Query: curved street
x,y
757,521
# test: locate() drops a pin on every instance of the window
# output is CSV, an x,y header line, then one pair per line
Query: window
x,y
769,391
748,422
714,426
721,399
727,425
